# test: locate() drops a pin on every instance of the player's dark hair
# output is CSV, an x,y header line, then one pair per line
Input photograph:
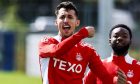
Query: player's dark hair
x,y
122,26
68,6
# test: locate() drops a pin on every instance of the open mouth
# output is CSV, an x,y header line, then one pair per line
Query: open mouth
x,y
66,27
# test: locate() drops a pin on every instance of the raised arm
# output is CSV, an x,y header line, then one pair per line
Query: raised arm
x,y
51,49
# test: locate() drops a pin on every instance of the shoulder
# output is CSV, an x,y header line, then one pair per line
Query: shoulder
x,y
130,60
86,45
136,62
88,48
47,39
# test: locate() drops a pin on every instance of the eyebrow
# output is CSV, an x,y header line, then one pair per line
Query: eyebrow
x,y
123,33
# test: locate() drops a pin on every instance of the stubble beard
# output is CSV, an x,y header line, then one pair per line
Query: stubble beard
x,y
120,50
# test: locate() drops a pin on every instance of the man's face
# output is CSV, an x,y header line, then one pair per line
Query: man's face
x,y
120,40
66,22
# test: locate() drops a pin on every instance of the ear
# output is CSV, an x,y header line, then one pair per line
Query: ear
x,y
55,22
109,41
77,23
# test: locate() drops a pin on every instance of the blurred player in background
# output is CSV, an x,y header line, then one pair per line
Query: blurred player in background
x,y
120,39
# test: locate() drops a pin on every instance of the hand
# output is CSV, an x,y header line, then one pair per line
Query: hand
x,y
122,79
91,31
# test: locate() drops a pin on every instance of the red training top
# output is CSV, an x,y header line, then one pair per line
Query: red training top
x,y
64,61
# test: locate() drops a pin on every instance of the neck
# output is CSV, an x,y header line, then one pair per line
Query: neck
x,y
63,36
120,54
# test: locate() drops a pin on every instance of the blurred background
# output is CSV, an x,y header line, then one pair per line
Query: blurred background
x,y
24,22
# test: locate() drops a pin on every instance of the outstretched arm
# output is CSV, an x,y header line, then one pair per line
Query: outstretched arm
x,y
51,49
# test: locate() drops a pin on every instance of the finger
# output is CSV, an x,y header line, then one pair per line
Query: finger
x,y
121,74
122,79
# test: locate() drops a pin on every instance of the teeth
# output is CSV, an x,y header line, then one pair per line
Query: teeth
x,y
66,26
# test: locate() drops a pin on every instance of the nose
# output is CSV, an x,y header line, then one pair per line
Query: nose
x,y
119,39
66,19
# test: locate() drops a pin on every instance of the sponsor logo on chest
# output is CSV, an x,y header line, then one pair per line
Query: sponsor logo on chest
x,y
68,66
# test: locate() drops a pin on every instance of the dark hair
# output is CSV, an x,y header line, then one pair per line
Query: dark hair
x,y
68,6
122,26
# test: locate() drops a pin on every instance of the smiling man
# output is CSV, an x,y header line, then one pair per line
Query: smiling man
x,y
120,40
62,58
